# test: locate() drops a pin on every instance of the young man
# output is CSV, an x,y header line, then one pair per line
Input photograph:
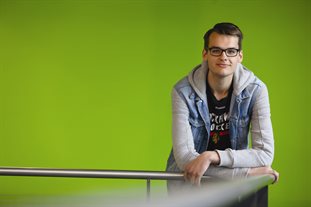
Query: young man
x,y
214,108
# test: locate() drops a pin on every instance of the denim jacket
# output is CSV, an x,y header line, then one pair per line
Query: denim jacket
x,y
249,112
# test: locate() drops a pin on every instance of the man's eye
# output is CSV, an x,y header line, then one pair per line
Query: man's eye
x,y
231,51
216,51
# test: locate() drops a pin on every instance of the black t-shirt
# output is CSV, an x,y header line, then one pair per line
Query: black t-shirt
x,y
218,112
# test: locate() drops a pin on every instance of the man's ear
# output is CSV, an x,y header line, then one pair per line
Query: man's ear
x,y
240,56
204,54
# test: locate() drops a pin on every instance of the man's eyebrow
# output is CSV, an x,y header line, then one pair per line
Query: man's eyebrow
x,y
224,48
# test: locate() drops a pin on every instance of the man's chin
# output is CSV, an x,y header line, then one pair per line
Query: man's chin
x,y
224,73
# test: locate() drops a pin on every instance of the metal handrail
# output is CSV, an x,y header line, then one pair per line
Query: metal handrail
x,y
121,174
78,173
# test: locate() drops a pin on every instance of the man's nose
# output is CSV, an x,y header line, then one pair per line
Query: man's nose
x,y
223,55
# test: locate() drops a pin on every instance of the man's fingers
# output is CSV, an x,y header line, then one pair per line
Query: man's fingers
x,y
198,181
194,179
189,177
276,176
186,176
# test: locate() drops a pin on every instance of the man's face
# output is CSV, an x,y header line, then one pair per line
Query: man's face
x,y
222,66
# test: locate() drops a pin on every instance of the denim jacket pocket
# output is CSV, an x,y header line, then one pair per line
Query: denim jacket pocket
x,y
243,129
196,122
198,129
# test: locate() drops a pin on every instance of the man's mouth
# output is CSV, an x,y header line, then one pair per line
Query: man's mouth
x,y
222,65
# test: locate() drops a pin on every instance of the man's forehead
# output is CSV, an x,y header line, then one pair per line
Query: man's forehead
x,y
220,39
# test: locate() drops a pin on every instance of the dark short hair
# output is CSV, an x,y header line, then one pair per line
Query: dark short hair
x,y
224,28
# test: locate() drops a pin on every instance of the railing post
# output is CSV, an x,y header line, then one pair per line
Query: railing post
x,y
148,189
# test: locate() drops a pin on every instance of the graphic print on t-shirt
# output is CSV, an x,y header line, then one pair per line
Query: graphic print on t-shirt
x,y
219,126
219,131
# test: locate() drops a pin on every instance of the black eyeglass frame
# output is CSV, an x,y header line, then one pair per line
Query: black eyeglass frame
x,y
224,50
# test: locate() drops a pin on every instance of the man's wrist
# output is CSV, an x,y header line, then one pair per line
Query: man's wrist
x,y
213,157
216,158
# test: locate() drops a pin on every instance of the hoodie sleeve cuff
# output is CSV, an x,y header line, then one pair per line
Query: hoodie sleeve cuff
x,y
226,158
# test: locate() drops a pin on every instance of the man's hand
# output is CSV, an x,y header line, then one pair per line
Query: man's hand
x,y
195,169
264,171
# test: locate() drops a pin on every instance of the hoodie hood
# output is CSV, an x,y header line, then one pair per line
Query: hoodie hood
x,y
241,78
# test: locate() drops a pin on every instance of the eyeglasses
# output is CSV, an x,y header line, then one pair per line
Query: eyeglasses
x,y
230,52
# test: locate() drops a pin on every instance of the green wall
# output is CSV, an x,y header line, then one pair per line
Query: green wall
x,y
86,84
